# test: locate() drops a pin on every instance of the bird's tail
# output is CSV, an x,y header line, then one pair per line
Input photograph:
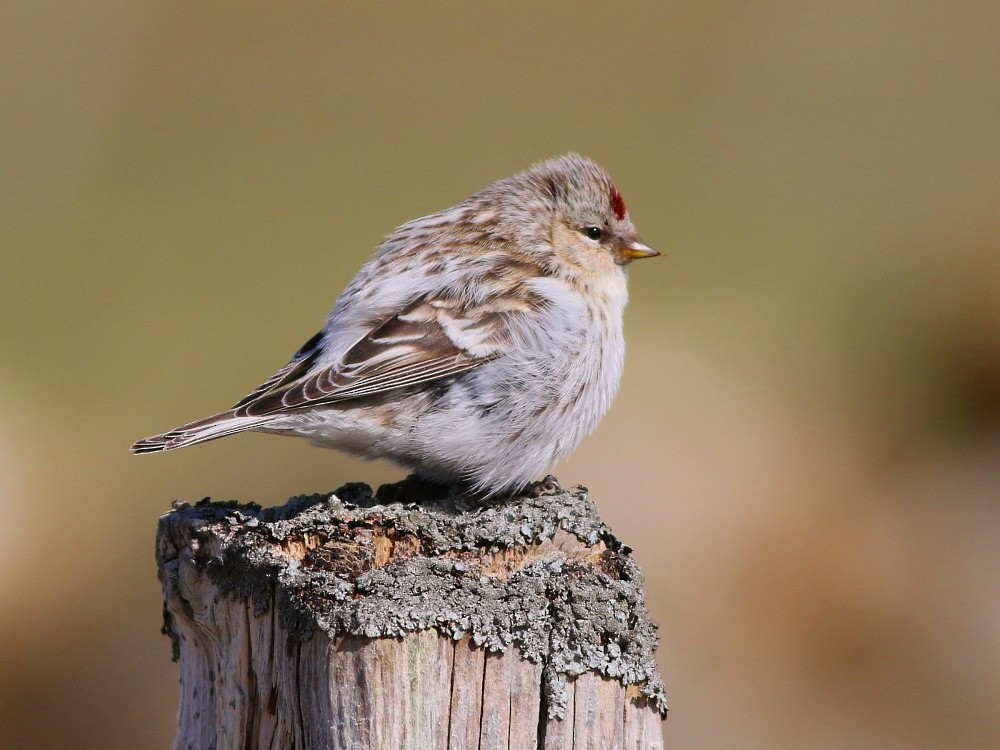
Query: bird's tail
x,y
201,431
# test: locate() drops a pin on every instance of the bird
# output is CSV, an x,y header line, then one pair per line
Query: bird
x,y
477,346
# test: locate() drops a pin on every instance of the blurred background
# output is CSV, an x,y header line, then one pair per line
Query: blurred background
x,y
805,452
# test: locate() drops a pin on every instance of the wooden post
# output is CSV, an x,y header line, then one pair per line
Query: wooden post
x,y
355,620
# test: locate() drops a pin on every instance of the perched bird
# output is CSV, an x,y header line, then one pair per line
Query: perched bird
x,y
479,344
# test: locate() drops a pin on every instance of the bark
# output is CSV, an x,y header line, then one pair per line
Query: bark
x,y
354,620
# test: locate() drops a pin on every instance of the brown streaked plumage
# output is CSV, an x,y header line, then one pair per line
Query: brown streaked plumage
x,y
479,344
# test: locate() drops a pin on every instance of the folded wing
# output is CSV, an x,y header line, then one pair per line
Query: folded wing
x,y
430,339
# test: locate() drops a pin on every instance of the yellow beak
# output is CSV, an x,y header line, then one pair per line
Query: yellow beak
x,y
637,249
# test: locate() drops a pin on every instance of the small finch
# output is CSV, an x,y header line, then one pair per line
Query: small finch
x,y
478,345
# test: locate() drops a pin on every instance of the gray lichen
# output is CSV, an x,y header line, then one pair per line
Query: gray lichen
x,y
541,572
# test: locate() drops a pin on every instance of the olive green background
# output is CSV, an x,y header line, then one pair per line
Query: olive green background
x,y
805,452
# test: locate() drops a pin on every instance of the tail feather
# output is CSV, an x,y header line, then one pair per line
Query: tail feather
x,y
201,431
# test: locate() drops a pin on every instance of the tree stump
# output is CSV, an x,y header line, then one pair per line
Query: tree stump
x,y
354,620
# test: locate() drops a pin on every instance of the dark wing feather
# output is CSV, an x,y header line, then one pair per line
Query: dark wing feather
x,y
428,340
303,360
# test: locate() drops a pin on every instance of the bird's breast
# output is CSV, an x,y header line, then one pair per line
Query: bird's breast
x,y
567,363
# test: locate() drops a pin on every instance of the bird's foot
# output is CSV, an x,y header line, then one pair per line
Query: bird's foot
x,y
414,489
548,486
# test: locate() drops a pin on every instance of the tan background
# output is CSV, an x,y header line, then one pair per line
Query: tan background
x,y
806,449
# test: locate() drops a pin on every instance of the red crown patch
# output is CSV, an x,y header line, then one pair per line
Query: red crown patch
x,y
618,203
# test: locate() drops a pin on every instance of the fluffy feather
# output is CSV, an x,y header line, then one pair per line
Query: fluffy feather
x,y
480,343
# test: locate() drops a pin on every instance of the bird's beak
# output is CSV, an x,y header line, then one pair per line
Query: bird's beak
x,y
637,249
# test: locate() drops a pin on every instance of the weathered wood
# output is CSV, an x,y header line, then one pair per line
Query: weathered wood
x,y
466,696
345,622
598,713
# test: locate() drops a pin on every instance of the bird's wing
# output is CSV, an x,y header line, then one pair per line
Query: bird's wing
x,y
295,370
236,419
431,338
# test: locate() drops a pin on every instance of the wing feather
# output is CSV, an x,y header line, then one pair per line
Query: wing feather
x,y
430,339
304,358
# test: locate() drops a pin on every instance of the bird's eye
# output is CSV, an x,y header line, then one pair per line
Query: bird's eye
x,y
595,233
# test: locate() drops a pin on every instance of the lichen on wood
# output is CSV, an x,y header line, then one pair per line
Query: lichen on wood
x,y
540,573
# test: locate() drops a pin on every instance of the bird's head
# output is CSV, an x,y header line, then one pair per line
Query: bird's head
x,y
588,225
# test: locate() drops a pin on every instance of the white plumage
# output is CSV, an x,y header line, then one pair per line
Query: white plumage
x,y
479,344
